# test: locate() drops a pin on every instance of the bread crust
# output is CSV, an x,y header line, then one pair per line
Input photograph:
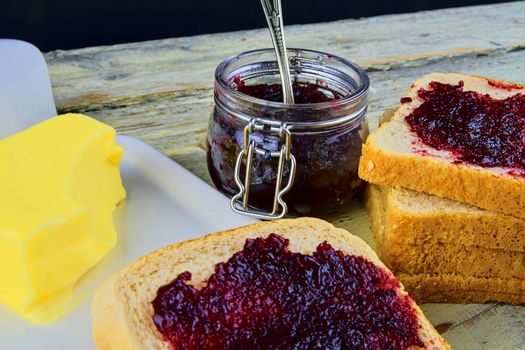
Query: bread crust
x,y
478,228
465,183
435,272
110,327
118,325
451,288
467,242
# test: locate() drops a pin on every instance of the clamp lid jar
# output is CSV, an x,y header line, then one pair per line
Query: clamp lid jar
x,y
277,159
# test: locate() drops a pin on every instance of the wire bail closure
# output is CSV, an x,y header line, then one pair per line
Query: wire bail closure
x,y
280,208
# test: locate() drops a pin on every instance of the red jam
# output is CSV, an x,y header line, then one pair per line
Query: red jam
x,y
476,128
303,93
324,183
267,297
503,85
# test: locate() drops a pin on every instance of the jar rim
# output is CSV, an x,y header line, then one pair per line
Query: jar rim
x,y
361,90
301,126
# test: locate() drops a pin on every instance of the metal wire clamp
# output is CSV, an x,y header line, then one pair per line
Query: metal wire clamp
x,y
240,201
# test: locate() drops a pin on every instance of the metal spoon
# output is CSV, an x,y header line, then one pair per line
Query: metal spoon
x,y
274,17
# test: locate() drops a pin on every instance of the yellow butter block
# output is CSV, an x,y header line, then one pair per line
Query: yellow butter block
x,y
59,186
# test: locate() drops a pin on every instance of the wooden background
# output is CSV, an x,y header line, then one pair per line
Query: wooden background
x,y
162,93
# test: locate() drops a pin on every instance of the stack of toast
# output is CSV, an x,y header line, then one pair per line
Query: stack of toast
x,y
451,230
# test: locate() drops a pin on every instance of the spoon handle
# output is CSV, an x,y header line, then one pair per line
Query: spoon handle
x,y
273,12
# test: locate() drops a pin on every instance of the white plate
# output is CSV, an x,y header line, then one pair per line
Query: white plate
x,y
166,203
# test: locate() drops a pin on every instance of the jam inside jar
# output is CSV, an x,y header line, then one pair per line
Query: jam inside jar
x,y
327,126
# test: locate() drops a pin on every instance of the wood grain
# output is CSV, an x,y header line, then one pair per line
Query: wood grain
x,y
130,73
162,93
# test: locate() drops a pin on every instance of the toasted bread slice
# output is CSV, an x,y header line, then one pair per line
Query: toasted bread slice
x,y
430,244
394,156
457,259
416,218
453,288
122,310
417,233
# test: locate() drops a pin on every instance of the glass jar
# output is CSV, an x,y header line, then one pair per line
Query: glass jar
x,y
319,143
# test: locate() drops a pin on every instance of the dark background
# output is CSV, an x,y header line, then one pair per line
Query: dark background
x,y
55,24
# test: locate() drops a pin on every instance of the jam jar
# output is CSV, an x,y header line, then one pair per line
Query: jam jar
x,y
276,159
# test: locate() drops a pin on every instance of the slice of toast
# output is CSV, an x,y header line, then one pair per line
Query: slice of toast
x,y
416,218
394,156
122,310
419,233
457,259
453,288
431,245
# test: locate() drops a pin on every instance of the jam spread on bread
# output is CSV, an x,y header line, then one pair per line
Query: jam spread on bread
x,y
303,93
476,128
503,85
268,297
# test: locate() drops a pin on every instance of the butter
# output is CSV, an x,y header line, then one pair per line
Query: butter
x,y
59,186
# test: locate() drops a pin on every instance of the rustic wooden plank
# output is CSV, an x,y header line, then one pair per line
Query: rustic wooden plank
x,y
89,78
479,327
161,92
177,124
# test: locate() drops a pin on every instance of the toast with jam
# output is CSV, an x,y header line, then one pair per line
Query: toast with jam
x,y
286,284
456,136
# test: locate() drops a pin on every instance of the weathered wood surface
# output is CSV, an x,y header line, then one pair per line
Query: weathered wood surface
x,y
162,92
